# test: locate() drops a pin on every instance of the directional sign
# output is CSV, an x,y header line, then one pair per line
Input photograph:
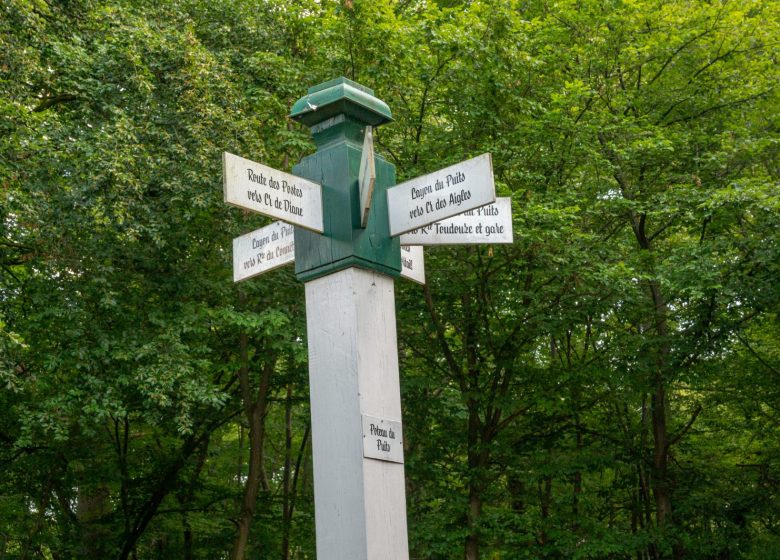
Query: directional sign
x,y
366,176
262,250
440,195
413,263
271,192
491,223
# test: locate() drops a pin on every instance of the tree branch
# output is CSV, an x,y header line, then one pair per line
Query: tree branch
x,y
720,106
678,436
51,101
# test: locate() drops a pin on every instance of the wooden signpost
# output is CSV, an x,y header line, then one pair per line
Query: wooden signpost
x,y
348,216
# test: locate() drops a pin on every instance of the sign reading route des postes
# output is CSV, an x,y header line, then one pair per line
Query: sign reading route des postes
x,y
440,195
272,192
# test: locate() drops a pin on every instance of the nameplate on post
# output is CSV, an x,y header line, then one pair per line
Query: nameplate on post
x,y
382,439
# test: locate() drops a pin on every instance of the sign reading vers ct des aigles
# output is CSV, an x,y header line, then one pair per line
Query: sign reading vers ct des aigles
x,y
271,192
440,195
491,223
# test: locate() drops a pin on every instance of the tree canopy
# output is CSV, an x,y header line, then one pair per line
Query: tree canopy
x,y
604,388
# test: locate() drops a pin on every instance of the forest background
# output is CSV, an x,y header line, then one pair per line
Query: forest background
x,y
607,387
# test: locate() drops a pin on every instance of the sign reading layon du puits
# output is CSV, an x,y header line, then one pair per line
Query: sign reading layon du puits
x,y
271,192
441,195
382,439
262,250
491,223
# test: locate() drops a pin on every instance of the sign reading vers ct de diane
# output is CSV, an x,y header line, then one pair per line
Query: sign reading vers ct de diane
x,y
271,192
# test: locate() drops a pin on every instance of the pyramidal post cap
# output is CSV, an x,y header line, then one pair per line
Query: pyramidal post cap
x,y
337,97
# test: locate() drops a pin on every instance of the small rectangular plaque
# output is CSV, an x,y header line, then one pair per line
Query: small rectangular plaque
x,y
440,195
262,250
491,223
268,191
382,439
413,263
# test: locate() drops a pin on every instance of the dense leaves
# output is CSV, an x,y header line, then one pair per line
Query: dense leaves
x,y
605,387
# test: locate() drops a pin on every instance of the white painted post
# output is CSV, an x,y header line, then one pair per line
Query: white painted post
x,y
353,372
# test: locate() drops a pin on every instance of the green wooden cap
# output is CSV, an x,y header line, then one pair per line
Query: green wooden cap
x,y
337,97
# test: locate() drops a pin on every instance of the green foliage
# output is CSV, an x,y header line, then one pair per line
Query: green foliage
x,y
639,142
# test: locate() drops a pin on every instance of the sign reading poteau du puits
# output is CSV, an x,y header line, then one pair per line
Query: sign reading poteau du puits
x,y
440,195
491,223
382,439
413,263
271,192
262,250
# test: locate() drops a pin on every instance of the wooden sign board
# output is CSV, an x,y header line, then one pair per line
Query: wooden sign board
x,y
413,263
382,439
273,193
262,250
366,176
491,223
441,195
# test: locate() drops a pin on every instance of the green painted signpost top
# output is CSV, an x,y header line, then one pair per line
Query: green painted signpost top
x,y
341,97
338,112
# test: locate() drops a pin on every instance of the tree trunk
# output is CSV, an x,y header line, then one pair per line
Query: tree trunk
x,y
164,485
92,506
291,487
545,499
661,487
255,414
475,510
476,462
286,491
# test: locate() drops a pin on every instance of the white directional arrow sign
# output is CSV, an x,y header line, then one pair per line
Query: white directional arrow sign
x,y
366,176
441,195
262,250
413,263
491,223
272,192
